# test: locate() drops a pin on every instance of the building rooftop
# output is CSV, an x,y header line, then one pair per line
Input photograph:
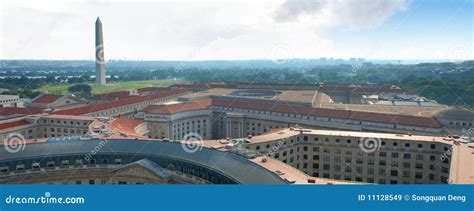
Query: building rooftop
x,y
117,103
46,98
110,96
177,107
126,126
7,125
284,107
462,170
289,132
235,167
19,111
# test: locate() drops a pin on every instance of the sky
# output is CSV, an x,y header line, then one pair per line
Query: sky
x,y
236,30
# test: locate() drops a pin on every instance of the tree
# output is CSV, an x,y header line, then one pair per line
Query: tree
x,y
81,89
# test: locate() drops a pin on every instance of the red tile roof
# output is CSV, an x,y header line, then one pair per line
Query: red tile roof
x,y
127,126
7,125
46,98
23,111
429,122
110,96
334,113
117,103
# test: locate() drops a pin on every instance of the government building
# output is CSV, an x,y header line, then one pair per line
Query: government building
x,y
219,133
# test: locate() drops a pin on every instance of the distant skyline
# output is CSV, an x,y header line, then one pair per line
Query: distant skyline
x,y
228,30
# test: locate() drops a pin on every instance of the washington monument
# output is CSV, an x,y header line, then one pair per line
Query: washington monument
x,y
99,54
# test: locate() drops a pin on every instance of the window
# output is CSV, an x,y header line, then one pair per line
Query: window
x,y
419,157
35,165
326,166
418,175
370,171
3,169
406,165
406,174
20,167
419,165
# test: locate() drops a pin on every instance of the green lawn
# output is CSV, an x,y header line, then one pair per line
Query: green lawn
x,y
112,87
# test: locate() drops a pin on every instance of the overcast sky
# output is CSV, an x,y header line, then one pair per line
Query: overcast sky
x,y
205,30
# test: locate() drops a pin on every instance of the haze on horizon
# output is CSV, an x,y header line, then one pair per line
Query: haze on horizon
x,y
238,30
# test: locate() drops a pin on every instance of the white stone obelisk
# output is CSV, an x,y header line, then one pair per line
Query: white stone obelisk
x,y
99,54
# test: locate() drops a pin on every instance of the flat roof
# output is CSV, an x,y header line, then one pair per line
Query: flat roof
x,y
462,160
288,132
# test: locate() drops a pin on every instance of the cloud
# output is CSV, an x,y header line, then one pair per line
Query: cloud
x,y
292,9
350,14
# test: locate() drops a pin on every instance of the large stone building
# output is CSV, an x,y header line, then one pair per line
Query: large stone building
x,y
124,106
281,133
221,117
370,157
54,101
9,100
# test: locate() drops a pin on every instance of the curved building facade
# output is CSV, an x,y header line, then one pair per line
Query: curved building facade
x,y
127,161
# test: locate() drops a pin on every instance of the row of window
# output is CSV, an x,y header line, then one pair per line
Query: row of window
x,y
51,164
314,118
